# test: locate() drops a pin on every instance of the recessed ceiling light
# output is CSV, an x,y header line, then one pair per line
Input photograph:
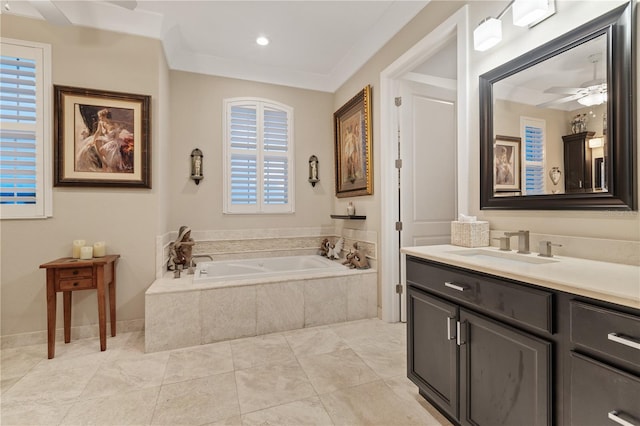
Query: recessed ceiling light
x,y
262,41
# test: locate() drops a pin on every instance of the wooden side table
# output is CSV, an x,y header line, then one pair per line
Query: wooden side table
x,y
67,275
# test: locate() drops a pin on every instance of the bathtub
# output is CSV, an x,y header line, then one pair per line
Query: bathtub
x,y
230,270
231,299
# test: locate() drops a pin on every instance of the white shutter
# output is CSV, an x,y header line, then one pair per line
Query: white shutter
x,y
259,156
25,190
533,135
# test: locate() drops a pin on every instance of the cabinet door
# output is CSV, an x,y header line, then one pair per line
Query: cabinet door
x,y
432,353
505,374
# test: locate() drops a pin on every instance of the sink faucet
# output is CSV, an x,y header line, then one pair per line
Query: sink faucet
x,y
545,248
523,240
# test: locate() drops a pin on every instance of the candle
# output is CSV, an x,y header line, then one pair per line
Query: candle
x,y
99,249
86,252
77,245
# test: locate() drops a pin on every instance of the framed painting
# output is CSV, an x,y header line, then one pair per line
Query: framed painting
x,y
353,150
101,138
506,164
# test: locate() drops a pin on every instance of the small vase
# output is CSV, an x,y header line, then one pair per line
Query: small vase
x,y
351,209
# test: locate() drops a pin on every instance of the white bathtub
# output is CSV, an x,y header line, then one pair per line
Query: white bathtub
x,y
229,270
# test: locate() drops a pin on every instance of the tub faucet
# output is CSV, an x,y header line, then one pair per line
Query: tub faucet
x,y
523,240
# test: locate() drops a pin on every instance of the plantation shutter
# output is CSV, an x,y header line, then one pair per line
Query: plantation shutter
x,y
258,155
533,136
24,186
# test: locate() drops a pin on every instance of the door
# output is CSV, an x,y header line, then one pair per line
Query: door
x,y
432,353
428,175
505,374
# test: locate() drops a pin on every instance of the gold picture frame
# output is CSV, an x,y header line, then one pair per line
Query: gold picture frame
x,y
353,146
102,139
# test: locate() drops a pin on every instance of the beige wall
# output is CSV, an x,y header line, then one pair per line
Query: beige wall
x,y
127,219
196,121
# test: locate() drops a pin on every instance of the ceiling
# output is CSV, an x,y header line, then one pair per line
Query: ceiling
x,y
315,45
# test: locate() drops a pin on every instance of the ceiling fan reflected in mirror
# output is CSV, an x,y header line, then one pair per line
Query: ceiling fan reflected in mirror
x,y
592,92
50,11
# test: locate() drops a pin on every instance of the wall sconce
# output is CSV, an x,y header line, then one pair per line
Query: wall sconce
x,y
196,166
313,170
525,13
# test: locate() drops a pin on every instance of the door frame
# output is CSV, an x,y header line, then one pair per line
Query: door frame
x,y
458,25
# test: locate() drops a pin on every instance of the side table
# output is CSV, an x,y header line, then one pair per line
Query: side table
x,y
67,275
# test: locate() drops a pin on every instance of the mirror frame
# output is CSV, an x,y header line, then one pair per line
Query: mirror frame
x,y
622,176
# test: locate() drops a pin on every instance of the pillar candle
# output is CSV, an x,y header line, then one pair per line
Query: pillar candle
x,y
86,252
99,249
77,245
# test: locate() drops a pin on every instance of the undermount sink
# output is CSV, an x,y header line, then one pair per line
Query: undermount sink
x,y
502,256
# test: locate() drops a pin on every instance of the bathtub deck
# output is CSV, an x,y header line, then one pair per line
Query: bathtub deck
x,y
179,313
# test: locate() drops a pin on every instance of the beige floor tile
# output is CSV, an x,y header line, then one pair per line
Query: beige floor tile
x,y
127,374
21,413
260,350
198,361
130,408
408,391
231,421
270,385
50,386
198,401
336,370
298,413
16,362
372,404
314,341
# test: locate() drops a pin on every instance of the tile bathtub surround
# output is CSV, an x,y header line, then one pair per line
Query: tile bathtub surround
x,y
176,317
327,375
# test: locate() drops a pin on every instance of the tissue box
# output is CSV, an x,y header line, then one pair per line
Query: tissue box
x,y
470,234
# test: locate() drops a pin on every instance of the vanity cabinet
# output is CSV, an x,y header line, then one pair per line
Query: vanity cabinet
x,y
466,352
577,162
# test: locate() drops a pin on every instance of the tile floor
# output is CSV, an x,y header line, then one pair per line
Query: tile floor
x,y
350,373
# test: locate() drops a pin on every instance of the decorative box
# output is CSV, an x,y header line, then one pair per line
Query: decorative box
x,y
470,234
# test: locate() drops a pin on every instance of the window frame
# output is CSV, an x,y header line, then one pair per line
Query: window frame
x,y
41,53
260,207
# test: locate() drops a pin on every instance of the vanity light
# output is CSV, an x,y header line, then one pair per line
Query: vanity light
x,y
526,12
488,34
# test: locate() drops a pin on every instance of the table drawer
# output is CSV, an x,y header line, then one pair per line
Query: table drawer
x,y
75,284
509,300
64,273
602,395
606,331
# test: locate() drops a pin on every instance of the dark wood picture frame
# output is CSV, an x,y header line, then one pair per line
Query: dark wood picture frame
x,y
353,146
507,164
102,138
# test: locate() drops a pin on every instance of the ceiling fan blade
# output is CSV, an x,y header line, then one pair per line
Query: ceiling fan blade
x,y
50,12
127,4
563,90
560,101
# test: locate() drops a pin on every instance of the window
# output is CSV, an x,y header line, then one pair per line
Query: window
x,y
258,156
25,117
533,135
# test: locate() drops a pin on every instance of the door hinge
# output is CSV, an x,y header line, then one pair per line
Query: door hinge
x,y
398,101
398,226
399,288
399,163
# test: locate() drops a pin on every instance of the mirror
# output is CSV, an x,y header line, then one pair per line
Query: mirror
x,y
556,124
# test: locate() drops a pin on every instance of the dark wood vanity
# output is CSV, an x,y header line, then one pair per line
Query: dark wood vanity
x,y
487,350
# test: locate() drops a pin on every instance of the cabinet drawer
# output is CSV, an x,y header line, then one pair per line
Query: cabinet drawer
x,y
75,284
598,390
73,273
505,299
606,331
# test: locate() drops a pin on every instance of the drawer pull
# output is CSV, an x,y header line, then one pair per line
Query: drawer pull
x,y
454,286
615,416
627,341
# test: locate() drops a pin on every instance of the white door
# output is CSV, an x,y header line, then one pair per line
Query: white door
x,y
428,191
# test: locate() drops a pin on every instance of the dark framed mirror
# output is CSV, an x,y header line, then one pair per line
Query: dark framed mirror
x,y
570,105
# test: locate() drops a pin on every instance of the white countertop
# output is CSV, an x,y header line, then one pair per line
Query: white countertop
x,y
610,282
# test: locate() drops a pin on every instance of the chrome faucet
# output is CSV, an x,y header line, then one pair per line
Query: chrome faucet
x,y
545,248
523,240
193,264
